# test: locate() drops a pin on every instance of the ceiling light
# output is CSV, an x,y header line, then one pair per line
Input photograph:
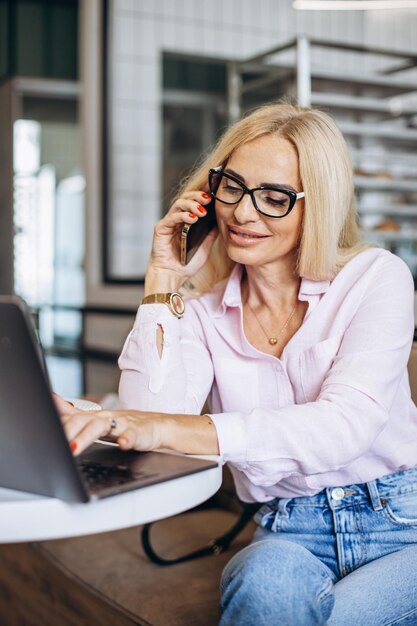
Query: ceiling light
x,y
353,5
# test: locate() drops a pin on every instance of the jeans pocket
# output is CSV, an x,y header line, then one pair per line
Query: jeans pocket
x,y
401,510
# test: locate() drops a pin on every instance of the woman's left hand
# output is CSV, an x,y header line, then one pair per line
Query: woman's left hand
x,y
130,429
62,406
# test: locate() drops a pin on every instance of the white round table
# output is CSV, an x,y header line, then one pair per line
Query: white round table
x,y
27,517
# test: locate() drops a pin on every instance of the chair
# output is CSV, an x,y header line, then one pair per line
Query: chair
x,y
412,371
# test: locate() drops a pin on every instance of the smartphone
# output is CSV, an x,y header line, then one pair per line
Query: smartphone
x,y
192,235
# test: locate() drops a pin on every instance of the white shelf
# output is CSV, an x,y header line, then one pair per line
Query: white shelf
x,y
396,84
400,210
391,106
386,235
376,114
384,157
379,131
372,182
390,84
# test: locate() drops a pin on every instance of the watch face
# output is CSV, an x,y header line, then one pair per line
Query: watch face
x,y
177,304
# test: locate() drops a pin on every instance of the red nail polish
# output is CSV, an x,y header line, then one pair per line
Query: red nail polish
x,y
74,446
192,215
202,209
206,195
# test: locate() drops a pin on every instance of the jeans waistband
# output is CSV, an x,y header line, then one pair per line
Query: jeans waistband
x,y
395,484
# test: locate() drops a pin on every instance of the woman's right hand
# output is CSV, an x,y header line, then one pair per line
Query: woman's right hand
x,y
165,271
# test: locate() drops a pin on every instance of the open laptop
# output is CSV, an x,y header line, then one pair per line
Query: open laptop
x,y
34,451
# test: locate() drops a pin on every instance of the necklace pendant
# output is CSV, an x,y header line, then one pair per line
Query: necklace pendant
x,y
273,341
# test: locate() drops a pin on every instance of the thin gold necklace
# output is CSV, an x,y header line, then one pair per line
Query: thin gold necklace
x,y
272,340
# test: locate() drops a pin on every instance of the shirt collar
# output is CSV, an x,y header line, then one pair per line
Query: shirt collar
x,y
310,287
232,296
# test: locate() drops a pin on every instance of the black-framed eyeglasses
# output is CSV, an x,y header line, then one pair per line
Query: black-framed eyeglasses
x,y
273,201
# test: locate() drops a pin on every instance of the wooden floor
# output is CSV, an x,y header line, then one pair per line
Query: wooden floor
x,y
35,592
106,580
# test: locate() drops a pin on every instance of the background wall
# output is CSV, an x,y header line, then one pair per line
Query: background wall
x,y
140,32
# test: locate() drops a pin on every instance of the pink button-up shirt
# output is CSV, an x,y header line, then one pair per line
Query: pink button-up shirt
x,y
335,409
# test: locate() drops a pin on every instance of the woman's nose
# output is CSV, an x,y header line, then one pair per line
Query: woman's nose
x,y
245,210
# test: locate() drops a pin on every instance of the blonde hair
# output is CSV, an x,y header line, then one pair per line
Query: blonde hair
x,y
329,232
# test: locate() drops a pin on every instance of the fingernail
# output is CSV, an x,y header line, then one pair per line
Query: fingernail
x,y
74,446
123,441
192,215
202,209
206,195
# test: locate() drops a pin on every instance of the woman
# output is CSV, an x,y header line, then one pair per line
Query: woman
x,y
300,335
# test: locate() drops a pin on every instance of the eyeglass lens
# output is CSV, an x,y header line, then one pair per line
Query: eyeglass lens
x,y
270,201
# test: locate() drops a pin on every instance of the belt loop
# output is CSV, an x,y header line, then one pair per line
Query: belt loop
x,y
282,506
374,495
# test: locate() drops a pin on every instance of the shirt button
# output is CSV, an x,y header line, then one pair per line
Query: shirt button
x,y
338,493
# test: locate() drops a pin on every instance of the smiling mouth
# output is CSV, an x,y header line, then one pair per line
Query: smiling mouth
x,y
245,234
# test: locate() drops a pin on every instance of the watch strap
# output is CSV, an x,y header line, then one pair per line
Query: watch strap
x,y
170,299
157,298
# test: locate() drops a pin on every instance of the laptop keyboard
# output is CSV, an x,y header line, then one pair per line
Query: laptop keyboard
x,y
100,476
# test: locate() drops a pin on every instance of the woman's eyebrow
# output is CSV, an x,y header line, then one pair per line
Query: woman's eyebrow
x,y
278,186
235,174
270,185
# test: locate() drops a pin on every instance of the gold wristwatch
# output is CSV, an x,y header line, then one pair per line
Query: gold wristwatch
x,y
173,300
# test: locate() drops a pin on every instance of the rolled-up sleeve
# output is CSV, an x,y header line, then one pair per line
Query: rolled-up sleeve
x,y
179,380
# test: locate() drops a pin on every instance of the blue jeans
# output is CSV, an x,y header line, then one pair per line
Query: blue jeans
x,y
343,557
